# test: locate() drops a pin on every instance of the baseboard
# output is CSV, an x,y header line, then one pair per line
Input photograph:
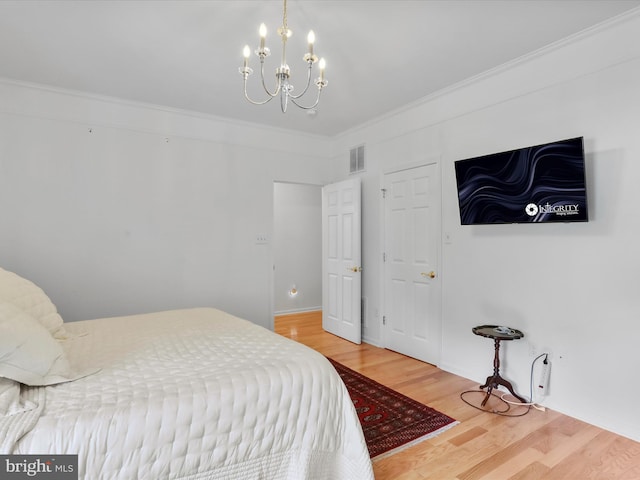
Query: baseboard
x,y
371,341
297,310
454,370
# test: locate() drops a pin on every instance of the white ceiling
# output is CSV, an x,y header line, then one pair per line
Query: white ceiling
x,y
380,55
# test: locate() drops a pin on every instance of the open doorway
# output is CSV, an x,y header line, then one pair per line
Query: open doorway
x,y
297,248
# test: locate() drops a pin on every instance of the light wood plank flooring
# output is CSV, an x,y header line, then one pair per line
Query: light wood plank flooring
x,y
539,445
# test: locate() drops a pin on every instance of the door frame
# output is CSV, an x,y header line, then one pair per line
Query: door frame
x,y
430,160
272,266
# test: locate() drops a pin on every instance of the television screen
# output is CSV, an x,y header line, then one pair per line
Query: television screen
x,y
543,183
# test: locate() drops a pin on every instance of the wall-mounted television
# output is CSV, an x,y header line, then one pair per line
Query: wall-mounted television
x,y
538,184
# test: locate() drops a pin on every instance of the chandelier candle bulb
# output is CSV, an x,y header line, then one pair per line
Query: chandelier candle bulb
x,y
311,38
263,34
322,65
246,53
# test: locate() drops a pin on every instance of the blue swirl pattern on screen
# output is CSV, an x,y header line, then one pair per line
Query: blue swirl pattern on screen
x,y
543,183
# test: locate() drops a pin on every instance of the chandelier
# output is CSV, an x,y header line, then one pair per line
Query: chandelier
x,y
283,88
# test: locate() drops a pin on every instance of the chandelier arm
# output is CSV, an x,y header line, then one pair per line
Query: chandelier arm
x,y
293,99
308,84
246,95
264,85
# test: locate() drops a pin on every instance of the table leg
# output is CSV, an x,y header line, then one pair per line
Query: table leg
x,y
496,380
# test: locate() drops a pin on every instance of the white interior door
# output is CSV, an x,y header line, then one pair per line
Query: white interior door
x,y
341,257
412,324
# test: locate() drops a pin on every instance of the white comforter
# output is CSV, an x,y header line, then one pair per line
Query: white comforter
x,y
199,394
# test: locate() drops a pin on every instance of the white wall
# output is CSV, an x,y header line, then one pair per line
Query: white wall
x,y
572,288
297,247
115,208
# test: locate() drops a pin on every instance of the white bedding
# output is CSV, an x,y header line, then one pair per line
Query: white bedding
x,y
198,394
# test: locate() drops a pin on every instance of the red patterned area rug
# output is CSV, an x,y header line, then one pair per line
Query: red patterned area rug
x,y
390,421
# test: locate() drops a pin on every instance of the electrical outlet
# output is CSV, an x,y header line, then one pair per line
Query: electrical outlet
x,y
543,384
262,239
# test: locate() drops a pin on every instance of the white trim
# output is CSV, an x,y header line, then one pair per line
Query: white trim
x,y
298,310
153,106
529,57
94,111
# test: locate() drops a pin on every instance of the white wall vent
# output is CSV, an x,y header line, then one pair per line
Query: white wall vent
x,y
356,159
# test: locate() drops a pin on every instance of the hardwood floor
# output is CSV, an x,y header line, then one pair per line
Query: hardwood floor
x,y
538,445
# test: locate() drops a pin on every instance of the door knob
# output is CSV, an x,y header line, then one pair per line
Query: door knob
x,y
354,269
431,274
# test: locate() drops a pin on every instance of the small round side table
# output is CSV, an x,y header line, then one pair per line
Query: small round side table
x,y
497,333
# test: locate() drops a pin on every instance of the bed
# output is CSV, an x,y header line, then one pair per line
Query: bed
x,y
183,394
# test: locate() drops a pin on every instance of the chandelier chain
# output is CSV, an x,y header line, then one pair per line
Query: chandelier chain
x,y
284,16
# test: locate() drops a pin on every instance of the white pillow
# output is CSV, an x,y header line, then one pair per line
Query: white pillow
x,y
28,352
31,299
